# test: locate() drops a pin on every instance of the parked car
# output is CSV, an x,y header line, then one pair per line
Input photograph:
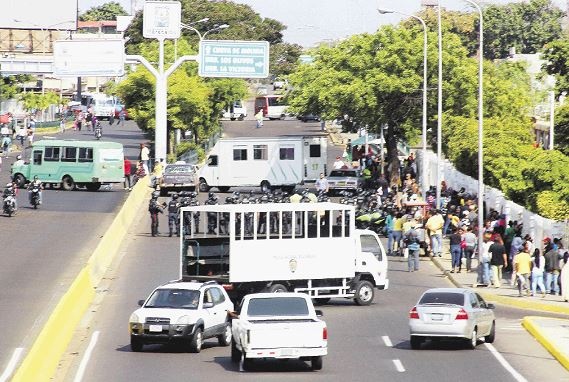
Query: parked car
x,y
279,83
308,117
344,179
237,110
182,312
178,176
452,313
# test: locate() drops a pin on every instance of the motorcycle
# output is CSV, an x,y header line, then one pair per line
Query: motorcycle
x,y
9,205
98,131
35,196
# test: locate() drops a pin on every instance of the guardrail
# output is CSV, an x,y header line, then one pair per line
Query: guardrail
x,y
43,358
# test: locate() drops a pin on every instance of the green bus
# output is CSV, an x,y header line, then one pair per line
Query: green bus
x,y
71,163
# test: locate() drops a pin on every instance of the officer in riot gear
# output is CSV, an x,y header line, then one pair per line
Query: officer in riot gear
x,y
155,208
211,216
174,215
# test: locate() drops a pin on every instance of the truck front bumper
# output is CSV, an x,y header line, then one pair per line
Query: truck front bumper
x,y
286,353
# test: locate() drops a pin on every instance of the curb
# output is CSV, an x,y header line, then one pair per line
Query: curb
x,y
533,328
43,358
521,303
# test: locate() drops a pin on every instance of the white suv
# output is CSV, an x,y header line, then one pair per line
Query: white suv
x,y
182,312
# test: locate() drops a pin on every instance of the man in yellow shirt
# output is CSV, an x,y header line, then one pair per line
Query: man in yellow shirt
x,y
522,266
435,227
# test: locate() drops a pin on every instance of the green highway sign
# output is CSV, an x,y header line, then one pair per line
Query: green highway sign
x,y
237,59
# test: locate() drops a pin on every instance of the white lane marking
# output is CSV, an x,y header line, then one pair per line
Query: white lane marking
x,y
12,364
517,376
398,365
387,341
86,357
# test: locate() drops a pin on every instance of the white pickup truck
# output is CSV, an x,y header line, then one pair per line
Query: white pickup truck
x,y
278,326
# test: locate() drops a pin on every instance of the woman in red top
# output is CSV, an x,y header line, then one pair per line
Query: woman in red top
x,y
127,179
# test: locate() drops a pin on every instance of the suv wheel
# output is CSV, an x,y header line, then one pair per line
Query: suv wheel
x,y
196,341
225,338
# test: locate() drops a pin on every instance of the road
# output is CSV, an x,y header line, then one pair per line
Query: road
x,y
43,250
365,343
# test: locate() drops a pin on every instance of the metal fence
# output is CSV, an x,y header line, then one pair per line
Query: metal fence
x,y
535,225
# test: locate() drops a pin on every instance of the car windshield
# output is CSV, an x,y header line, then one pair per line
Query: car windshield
x,y
177,169
174,299
446,298
342,174
282,306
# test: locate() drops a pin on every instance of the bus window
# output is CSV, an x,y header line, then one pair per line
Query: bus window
x,y
85,154
37,157
315,151
69,154
239,153
51,154
274,101
286,153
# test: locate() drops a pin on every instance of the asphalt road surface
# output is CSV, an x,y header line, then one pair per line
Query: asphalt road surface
x,y
365,343
43,250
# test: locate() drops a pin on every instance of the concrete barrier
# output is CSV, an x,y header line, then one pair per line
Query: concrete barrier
x,y
41,361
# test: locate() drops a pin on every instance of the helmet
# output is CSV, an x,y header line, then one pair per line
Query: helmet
x,y
36,177
210,195
174,196
19,157
155,194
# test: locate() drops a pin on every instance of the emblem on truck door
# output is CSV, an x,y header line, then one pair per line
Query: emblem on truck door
x,y
292,264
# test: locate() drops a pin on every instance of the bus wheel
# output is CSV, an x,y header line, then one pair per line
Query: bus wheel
x,y
93,186
20,180
67,183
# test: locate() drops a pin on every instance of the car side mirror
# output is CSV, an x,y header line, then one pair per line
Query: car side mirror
x,y
207,305
490,306
319,313
140,302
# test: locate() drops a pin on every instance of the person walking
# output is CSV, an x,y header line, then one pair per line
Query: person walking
x,y
455,250
397,233
145,157
484,260
127,177
174,215
498,260
435,226
259,118
155,208
537,270
470,244
413,245
522,266
552,268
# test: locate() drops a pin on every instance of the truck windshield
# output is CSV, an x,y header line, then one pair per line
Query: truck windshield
x,y
279,306
174,299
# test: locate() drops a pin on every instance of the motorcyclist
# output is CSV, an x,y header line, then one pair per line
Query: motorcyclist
x,y
10,191
211,216
36,183
98,129
155,208
174,215
19,161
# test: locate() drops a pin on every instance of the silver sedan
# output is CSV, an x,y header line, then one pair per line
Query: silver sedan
x,y
452,313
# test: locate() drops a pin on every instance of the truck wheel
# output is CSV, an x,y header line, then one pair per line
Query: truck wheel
x,y
316,363
136,344
196,341
364,293
277,288
67,183
265,186
235,353
20,180
223,188
225,338
203,187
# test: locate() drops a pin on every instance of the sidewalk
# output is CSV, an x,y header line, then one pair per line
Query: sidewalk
x,y
552,333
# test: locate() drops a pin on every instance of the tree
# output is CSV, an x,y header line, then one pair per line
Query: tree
x,y
107,11
284,58
561,128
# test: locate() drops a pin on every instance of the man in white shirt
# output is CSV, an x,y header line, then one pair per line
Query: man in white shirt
x,y
322,184
338,164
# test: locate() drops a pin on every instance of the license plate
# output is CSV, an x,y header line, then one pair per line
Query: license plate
x,y
341,183
437,317
155,328
288,352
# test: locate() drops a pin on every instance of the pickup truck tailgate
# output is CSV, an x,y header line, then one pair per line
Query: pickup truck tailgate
x,y
273,334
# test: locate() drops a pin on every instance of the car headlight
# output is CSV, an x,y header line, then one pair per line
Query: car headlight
x,y
184,320
134,319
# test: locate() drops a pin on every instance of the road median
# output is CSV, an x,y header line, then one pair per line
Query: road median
x,y
552,334
43,358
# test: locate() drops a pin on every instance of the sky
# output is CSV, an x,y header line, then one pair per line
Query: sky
x,y
312,21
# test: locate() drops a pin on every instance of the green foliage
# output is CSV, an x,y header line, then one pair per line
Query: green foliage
x,y
527,26
284,58
34,101
562,128
185,146
551,206
107,11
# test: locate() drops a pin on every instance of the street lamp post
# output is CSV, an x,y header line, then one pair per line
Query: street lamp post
x,y
424,183
439,109
204,20
200,35
480,124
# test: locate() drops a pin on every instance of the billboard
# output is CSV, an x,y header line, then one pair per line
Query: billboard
x,y
88,57
34,14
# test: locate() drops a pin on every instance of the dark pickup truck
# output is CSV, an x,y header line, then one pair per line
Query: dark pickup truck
x,y
178,177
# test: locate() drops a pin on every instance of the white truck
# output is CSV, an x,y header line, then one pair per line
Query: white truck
x,y
278,326
266,162
312,248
